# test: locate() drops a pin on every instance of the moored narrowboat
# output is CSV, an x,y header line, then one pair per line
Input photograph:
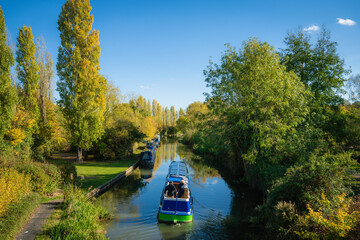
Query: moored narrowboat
x,y
147,158
176,201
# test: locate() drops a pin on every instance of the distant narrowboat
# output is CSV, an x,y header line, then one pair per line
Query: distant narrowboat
x,y
173,207
147,158
150,145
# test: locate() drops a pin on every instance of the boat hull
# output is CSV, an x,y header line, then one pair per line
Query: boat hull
x,y
172,218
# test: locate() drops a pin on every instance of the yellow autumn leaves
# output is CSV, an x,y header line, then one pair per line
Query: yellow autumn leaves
x,y
13,185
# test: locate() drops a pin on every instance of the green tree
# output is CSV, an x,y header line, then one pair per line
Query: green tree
x,y
7,90
319,66
261,102
28,71
81,88
181,112
322,70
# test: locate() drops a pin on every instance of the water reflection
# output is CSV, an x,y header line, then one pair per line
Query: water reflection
x,y
220,211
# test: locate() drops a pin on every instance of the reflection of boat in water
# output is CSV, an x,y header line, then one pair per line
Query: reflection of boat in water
x,y
157,141
146,173
176,209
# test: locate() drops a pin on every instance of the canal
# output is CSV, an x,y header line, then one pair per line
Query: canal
x,y
220,211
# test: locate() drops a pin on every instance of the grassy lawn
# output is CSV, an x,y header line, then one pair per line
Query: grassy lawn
x,y
97,173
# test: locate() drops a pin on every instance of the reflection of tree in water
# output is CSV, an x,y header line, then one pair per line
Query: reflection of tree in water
x,y
202,171
124,190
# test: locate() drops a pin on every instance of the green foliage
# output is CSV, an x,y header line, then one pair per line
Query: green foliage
x,y
117,142
262,103
28,71
45,178
304,183
318,66
80,218
7,91
82,89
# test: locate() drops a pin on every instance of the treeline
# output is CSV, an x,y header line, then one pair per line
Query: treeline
x,y
91,116
278,119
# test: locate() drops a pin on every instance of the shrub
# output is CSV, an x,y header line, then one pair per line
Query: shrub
x,y
45,178
13,185
333,220
304,184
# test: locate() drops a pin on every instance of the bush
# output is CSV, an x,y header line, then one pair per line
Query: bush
x,y
13,185
45,178
333,220
80,218
304,184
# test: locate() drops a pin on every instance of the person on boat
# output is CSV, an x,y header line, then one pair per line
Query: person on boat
x,y
182,186
170,190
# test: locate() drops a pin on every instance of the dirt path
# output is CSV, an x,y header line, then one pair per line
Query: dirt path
x,y
34,225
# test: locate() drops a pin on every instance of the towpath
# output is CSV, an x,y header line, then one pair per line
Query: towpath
x,y
34,225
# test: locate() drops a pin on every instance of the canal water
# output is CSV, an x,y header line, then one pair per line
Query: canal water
x,y
220,211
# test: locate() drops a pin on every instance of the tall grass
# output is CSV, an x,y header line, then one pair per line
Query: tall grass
x,y
80,218
17,214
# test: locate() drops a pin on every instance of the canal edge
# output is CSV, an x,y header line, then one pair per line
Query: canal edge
x,y
106,186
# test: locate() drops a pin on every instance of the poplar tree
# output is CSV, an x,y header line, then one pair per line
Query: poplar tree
x,y
181,112
28,71
172,116
154,108
81,88
7,90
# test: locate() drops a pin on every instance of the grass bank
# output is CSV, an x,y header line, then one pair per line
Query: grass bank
x,y
94,174
17,215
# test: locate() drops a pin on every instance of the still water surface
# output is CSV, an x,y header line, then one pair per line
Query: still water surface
x,y
219,210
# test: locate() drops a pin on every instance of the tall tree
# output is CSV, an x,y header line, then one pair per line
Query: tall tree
x,y
46,75
181,112
261,102
7,90
82,89
28,71
153,108
172,116
319,66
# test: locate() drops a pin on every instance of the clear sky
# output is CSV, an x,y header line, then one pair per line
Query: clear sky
x,y
159,49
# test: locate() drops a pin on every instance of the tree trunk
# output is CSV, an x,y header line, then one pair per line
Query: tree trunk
x,y
79,157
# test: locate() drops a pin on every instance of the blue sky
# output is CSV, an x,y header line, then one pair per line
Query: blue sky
x,y
159,49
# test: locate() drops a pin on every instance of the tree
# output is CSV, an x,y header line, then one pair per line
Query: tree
x,y
7,90
81,87
172,116
28,71
353,87
46,75
261,102
322,70
181,112
319,67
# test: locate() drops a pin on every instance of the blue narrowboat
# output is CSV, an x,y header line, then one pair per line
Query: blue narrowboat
x,y
147,158
150,145
176,208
